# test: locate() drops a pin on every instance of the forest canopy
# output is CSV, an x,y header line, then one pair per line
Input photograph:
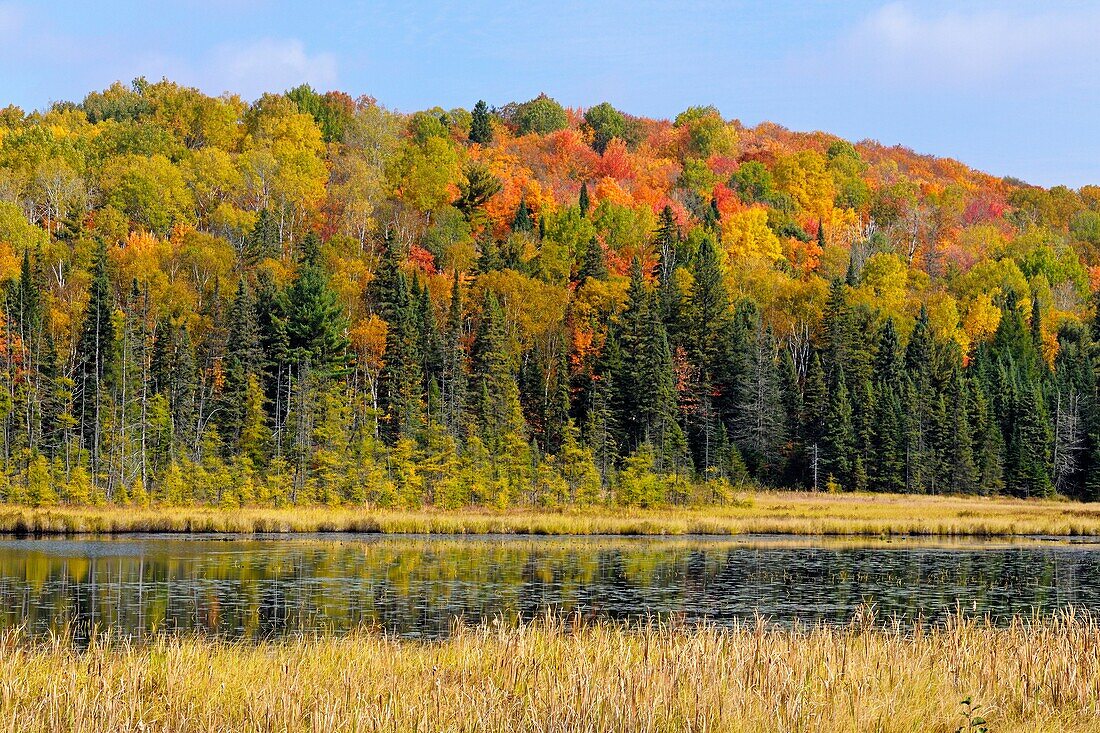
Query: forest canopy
x,y
312,298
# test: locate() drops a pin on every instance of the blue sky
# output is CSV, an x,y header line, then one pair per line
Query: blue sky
x,y
1010,87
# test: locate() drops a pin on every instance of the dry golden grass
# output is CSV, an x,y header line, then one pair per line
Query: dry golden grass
x,y
762,512
1033,675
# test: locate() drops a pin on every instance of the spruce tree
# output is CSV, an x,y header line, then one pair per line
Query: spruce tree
x,y
453,379
263,241
496,413
316,325
583,202
960,472
558,406
523,222
759,427
815,416
244,358
402,395
1028,469
96,373
838,441
988,450
594,263
481,127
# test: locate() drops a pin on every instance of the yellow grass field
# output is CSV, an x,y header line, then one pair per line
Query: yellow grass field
x,y
1033,676
759,512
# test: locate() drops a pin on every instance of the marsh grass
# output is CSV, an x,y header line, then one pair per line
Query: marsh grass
x,y
763,512
1033,674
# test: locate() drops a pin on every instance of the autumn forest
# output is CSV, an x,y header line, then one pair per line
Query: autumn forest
x,y
314,299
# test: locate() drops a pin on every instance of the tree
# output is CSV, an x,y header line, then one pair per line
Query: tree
x,y
495,408
96,371
475,189
243,363
594,264
838,437
541,115
316,325
759,424
522,222
481,128
606,124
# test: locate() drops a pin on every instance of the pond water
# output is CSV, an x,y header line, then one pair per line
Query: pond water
x,y
249,587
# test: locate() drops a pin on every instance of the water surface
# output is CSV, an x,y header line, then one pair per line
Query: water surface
x,y
257,587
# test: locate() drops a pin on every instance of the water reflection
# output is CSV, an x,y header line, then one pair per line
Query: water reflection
x,y
417,586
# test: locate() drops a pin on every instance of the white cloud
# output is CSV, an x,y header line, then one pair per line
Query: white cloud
x,y
265,65
897,44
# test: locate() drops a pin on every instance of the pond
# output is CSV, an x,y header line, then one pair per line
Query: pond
x,y
259,587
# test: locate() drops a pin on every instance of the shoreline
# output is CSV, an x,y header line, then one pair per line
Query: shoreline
x,y
756,513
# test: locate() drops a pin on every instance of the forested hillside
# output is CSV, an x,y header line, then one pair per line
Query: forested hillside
x,y
314,299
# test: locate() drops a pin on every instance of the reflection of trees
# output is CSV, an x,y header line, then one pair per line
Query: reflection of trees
x,y
262,588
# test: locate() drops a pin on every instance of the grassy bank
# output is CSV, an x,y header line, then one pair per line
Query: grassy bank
x,y
1029,676
763,512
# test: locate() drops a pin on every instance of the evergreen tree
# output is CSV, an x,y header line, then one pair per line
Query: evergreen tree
x,y
96,373
496,415
453,378
669,296
594,263
523,222
960,472
557,420
583,202
601,430
988,450
815,416
759,417
401,399
709,313
316,326
838,440
263,241
481,127
244,358
1028,466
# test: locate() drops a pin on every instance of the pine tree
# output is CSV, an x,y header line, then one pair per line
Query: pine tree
x,y
583,201
401,398
836,328
481,127
919,356
594,263
244,358
759,427
263,241
838,439
271,311
453,379
709,313
96,373
522,222
316,325
601,431
815,416
988,450
557,419
1028,470
495,408
960,472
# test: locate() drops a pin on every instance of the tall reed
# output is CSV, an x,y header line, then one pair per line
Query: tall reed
x,y
554,675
